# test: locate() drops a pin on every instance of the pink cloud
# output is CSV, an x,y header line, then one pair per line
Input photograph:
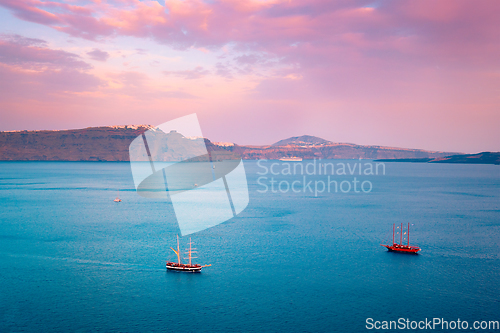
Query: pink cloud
x,y
31,70
138,86
130,79
28,10
31,53
196,73
419,28
98,55
44,85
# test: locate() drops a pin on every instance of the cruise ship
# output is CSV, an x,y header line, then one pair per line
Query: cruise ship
x,y
291,159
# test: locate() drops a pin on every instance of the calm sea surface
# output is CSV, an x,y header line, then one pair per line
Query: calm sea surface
x,y
72,260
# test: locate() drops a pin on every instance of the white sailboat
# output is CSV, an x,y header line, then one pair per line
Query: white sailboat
x,y
118,197
179,266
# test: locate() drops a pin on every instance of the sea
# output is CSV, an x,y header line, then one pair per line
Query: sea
x,y
297,259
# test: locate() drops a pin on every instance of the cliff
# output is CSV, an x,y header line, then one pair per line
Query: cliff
x,y
88,144
112,144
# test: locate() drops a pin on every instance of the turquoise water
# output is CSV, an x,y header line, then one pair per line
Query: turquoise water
x,y
72,260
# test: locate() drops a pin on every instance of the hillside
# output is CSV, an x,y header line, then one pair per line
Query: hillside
x,y
334,151
480,158
304,140
88,144
112,144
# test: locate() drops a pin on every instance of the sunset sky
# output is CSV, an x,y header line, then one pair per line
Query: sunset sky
x,y
415,74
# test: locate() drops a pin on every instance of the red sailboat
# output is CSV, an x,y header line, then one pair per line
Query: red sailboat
x,y
413,249
179,266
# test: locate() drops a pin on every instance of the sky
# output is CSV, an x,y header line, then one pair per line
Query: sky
x,y
415,74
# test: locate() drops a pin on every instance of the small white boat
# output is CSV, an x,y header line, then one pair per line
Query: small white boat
x,y
118,197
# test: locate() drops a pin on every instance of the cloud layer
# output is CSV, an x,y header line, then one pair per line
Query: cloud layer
x,y
383,67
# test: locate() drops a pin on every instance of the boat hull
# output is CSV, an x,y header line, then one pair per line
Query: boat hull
x,y
183,267
402,248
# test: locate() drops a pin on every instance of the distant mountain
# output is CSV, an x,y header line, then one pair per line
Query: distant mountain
x,y
330,150
304,140
481,158
111,143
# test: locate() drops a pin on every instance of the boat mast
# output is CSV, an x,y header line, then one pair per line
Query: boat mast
x,y
401,235
178,251
393,230
408,234
189,250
